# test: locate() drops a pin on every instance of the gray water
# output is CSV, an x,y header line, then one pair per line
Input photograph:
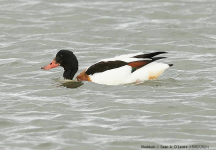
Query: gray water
x,y
39,110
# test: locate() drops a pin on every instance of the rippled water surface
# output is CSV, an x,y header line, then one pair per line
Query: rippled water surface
x,y
41,111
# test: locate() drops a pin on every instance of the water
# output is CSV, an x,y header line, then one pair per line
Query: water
x,y
41,111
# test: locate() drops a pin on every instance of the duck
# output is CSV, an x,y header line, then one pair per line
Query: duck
x,y
123,69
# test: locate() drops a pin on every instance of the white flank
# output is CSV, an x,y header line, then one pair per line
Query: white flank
x,y
113,76
123,75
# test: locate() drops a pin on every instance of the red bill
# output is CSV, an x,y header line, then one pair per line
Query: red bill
x,y
53,64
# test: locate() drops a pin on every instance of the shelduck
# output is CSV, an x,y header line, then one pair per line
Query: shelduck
x,y
129,68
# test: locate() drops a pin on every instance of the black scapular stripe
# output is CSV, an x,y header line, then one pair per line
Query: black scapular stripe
x,y
149,55
104,66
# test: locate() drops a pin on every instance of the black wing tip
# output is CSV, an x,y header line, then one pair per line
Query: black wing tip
x,y
158,53
161,52
170,65
149,55
157,58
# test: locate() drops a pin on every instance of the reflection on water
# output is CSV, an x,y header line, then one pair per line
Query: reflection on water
x,y
72,85
67,83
